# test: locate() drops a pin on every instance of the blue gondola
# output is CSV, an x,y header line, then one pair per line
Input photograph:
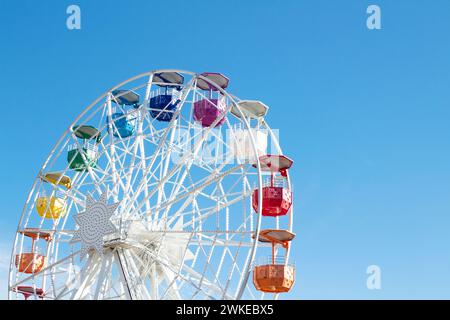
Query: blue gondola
x,y
124,123
163,107
164,104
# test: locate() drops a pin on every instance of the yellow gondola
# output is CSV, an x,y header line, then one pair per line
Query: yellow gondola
x,y
51,207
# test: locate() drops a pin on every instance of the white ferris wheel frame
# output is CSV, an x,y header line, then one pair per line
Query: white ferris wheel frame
x,y
188,87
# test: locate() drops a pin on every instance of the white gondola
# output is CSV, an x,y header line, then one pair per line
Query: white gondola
x,y
241,143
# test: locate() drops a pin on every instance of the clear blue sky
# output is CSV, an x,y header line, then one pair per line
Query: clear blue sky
x,y
363,113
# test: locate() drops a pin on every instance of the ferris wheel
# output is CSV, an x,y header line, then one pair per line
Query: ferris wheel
x,y
153,192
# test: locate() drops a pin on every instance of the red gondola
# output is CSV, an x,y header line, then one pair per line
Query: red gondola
x,y
277,197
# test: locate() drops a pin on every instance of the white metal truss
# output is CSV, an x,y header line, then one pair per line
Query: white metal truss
x,y
185,220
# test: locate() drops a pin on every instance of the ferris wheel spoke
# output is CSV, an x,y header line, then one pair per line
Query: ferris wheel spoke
x,y
161,143
172,289
116,178
146,270
132,197
143,165
191,193
163,171
240,194
112,158
226,243
146,176
97,181
165,158
133,269
105,275
66,289
96,279
213,211
215,173
186,278
172,285
235,197
126,176
133,164
176,168
140,270
74,197
128,190
207,265
135,289
219,266
235,267
201,282
87,278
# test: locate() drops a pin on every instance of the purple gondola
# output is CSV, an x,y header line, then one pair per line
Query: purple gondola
x,y
208,111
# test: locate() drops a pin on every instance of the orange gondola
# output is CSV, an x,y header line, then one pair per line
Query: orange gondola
x,y
275,275
29,262
32,262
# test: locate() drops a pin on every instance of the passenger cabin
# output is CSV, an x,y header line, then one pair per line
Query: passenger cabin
x,y
32,262
53,206
121,121
82,155
274,275
241,141
209,104
165,100
277,197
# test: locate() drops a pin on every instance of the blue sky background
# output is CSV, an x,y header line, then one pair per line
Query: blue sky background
x,y
363,113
